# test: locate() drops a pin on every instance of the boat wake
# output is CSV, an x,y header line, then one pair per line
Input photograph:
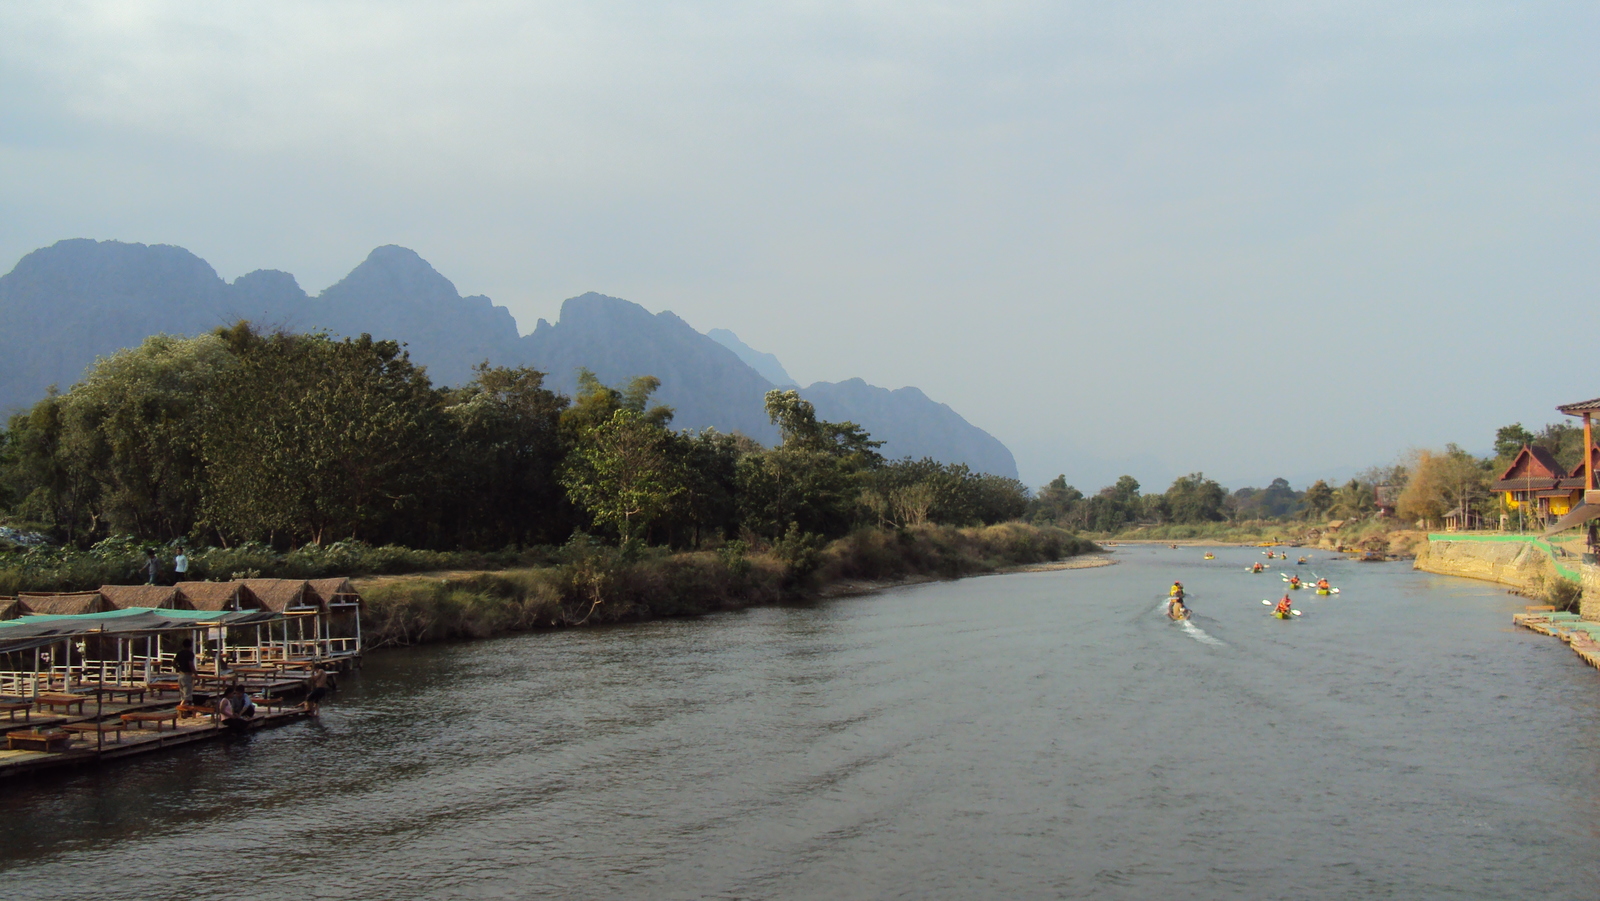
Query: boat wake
x,y
1194,631
1197,633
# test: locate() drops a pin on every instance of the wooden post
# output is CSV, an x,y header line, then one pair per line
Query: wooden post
x,y
100,703
1588,454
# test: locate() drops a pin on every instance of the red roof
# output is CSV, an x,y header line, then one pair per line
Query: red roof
x,y
1533,462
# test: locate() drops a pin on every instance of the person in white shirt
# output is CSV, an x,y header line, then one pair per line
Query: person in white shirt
x,y
180,565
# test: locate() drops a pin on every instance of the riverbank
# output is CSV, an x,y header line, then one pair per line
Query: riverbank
x,y
1382,536
595,584
1531,566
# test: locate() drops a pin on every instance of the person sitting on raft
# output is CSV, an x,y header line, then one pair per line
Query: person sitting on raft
x,y
1257,568
1284,607
1322,585
1176,609
1294,581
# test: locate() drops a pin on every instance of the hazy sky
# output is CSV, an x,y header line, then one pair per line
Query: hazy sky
x,y
1246,238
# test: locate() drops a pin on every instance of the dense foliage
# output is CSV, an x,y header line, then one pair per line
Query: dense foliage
x,y
286,441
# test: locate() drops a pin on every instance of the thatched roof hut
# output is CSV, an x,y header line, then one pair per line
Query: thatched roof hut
x,y
70,603
334,591
11,608
216,596
124,596
279,595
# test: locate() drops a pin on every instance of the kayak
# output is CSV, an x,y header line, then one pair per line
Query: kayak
x,y
1177,616
1324,591
1281,615
1211,556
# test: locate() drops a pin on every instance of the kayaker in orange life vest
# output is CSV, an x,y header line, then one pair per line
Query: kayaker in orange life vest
x,y
1284,606
1294,581
1322,584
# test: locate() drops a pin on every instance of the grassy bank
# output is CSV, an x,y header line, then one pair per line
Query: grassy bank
x,y
594,584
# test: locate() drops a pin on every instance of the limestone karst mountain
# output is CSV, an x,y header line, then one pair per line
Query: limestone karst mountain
x,y
64,305
764,363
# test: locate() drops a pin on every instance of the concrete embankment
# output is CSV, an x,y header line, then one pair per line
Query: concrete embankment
x,y
1532,566
1523,562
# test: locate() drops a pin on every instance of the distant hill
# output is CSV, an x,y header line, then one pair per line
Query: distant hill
x,y
764,363
77,300
912,424
706,384
67,304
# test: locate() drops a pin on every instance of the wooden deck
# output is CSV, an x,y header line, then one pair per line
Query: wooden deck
x,y
1583,637
84,750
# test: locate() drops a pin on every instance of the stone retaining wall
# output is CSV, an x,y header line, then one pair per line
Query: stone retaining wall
x,y
1515,563
1519,562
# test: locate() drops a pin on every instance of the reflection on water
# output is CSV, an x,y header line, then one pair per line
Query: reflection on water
x,y
1031,736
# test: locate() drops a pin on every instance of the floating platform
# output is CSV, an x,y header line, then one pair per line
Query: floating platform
x,y
1579,634
87,748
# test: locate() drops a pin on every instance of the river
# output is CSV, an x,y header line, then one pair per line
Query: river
x,y
1036,735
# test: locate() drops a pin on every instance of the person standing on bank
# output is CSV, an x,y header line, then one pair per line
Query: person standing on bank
x,y
184,664
152,566
180,566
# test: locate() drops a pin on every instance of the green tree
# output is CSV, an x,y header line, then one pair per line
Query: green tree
x,y
504,456
813,481
1509,439
1318,500
317,440
1056,503
1194,498
623,473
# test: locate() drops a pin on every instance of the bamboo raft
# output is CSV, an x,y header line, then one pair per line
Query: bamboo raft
x,y
1582,636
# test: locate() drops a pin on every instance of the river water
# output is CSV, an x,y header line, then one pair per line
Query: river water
x,y
1039,735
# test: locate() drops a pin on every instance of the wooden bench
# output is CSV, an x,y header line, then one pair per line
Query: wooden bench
x,y
65,702
107,726
161,686
155,716
37,741
12,708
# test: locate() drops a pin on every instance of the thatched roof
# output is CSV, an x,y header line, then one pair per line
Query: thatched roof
x,y
64,603
216,596
124,596
11,608
279,595
334,591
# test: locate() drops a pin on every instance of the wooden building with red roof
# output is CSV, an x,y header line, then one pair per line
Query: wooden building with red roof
x,y
1535,484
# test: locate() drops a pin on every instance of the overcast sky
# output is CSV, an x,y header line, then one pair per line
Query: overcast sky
x,y
1246,238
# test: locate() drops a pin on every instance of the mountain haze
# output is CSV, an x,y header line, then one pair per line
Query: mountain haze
x,y
67,304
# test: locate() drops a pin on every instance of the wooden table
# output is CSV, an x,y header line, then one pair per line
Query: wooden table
x,y
161,686
65,702
12,708
127,691
155,716
37,741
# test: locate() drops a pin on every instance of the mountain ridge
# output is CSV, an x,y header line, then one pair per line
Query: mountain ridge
x,y
80,299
